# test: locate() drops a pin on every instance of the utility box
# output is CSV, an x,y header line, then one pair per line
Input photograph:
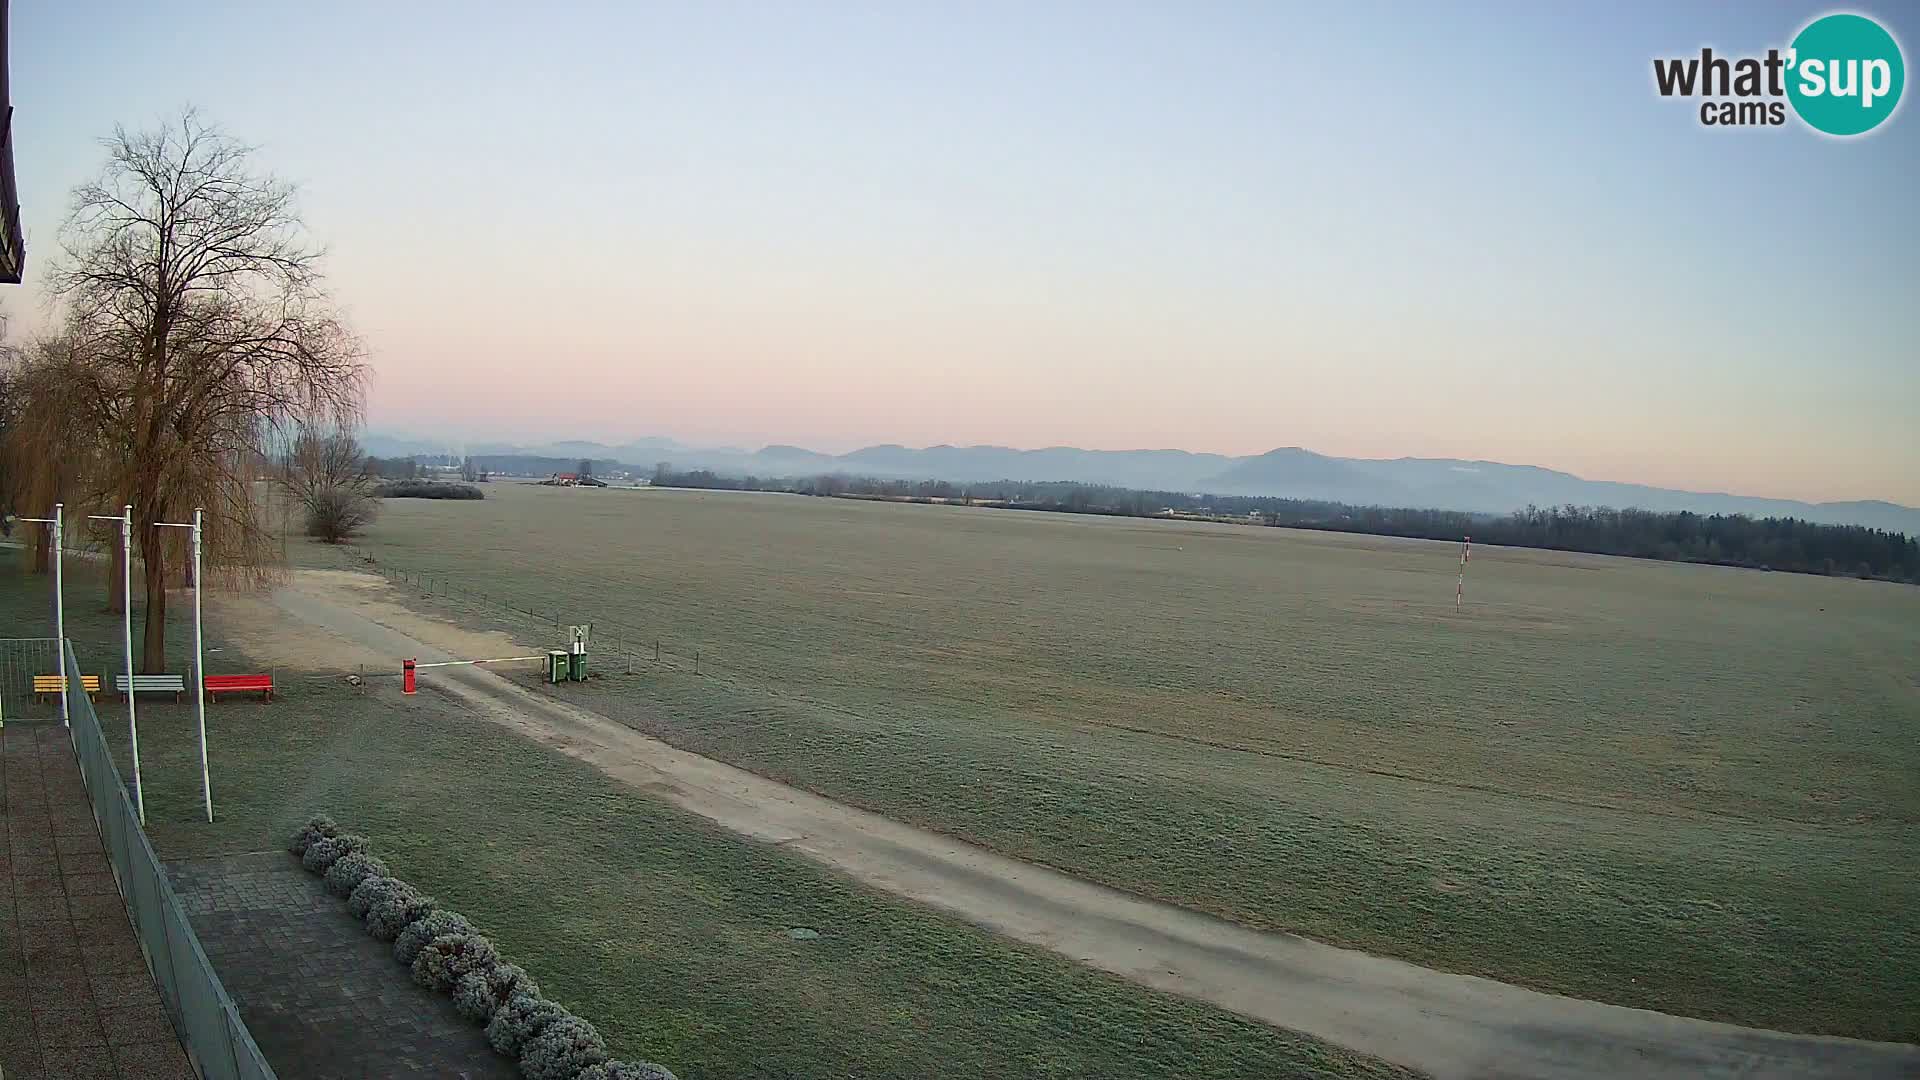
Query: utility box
x,y
558,668
578,666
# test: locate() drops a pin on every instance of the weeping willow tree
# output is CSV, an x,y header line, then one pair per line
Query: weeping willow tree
x,y
45,454
195,322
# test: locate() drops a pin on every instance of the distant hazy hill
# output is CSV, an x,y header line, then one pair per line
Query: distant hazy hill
x,y
1443,483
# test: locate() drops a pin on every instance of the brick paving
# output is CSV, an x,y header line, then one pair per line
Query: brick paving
x,y
76,999
321,997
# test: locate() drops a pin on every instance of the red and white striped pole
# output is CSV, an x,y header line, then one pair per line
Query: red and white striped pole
x,y
1460,588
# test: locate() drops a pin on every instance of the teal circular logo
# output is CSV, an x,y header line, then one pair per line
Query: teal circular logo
x,y
1845,74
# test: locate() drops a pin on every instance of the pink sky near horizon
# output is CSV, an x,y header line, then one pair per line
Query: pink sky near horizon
x,y
801,412
834,365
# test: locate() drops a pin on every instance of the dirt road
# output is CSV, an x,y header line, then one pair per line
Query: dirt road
x,y
1453,1026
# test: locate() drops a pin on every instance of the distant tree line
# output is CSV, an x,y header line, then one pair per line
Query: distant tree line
x,y
1789,544
396,468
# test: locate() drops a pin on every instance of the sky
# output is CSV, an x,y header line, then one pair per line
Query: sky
x,y
1374,230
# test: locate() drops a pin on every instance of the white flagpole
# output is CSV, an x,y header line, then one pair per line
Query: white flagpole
x,y
125,519
59,608
199,657
200,668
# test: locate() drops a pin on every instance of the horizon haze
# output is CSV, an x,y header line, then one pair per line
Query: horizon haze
x,y
1371,230
1473,485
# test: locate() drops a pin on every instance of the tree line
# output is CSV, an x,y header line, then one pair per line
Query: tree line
x,y
1773,543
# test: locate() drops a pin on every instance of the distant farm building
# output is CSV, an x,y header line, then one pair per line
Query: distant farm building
x,y
567,479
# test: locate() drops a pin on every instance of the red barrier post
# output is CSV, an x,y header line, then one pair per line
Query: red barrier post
x,y
406,676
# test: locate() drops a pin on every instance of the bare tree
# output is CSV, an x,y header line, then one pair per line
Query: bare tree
x,y
196,301
327,473
324,461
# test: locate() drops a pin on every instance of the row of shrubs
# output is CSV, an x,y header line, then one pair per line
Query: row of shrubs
x,y
446,954
427,489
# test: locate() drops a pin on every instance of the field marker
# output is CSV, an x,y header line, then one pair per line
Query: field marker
x,y
1460,588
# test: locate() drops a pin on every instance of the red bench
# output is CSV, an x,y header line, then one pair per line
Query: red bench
x,y
228,684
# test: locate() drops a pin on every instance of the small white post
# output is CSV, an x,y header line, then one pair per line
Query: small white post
x,y
60,614
199,667
1460,587
126,642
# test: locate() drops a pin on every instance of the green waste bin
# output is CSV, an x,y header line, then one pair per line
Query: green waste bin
x,y
578,662
557,666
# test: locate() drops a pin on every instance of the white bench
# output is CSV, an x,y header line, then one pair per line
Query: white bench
x,y
152,684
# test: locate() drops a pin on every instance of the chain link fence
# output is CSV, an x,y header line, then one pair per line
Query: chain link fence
x,y
205,1017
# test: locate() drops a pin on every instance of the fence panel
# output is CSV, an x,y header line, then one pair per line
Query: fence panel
x,y
204,1016
20,660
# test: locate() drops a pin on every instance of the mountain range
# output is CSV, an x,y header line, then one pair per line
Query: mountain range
x,y
1291,472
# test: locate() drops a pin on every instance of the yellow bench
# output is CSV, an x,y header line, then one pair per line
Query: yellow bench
x,y
45,686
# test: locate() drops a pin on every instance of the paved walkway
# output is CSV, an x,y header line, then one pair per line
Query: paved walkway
x,y
322,998
75,996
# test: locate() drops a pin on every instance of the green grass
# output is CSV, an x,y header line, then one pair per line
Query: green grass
x,y
1674,787
667,932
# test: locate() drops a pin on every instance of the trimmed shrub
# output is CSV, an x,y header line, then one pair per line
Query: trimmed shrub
x,y
318,827
370,889
408,943
510,979
323,853
450,957
473,997
626,1070
567,1046
478,994
427,489
349,871
389,916
518,1020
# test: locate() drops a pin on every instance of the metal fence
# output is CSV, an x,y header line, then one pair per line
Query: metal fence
x,y
203,1014
20,660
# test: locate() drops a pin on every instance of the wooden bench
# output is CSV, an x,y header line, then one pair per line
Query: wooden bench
x,y
230,684
152,684
46,686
